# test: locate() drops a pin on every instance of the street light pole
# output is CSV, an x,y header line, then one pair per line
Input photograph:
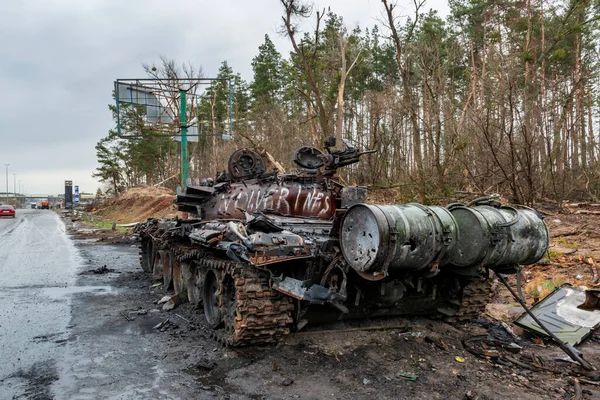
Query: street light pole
x,y
15,188
7,180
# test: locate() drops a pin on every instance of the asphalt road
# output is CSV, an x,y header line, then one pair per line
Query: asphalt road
x,y
66,333
37,261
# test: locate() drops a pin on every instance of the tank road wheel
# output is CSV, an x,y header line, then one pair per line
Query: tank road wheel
x,y
190,279
157,270
177,276
147,254
211,294
168,263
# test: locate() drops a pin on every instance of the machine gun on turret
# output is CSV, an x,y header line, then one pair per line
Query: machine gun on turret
x,y
310,159
340,158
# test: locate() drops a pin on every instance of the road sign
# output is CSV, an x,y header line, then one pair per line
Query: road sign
x,y
76,194
68,195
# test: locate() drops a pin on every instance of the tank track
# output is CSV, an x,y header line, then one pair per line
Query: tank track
x,y
476,295
251,311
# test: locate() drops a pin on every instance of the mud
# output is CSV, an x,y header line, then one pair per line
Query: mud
x,y
328,362
101,340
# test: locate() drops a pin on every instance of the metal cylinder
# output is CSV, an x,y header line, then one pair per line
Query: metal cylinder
x,y
497,236
378,238
375,239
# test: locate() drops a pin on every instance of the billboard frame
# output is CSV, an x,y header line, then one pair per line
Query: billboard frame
x,y
172,95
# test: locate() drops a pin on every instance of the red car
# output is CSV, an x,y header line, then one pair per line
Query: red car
x,y
7,211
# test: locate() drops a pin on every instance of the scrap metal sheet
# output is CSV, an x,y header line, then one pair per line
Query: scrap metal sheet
x,y
559,313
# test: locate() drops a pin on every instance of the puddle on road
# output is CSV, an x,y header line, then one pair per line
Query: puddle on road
x,y
61,292
139,326
81,241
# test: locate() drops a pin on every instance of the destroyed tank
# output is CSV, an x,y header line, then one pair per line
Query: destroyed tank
x,y
264,253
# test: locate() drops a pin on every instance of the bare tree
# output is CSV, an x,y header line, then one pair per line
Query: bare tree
x,y
295,9
403,60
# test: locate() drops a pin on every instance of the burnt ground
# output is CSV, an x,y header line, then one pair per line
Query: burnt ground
x,y
416,358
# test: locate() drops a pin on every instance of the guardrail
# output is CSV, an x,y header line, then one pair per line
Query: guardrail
x,y
89,217
82,215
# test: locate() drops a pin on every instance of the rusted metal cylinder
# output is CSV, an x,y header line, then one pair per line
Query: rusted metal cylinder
x,y
498,236
378,238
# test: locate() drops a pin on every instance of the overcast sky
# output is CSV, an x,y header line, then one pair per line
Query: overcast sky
x,y
59,59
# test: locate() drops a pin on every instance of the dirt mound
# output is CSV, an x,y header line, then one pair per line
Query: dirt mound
x,y
138,204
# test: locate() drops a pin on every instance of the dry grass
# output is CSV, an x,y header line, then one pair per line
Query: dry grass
x,y
138,204
541,287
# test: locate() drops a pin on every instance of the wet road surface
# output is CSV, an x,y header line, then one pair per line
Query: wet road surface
x,y
63,333
37,261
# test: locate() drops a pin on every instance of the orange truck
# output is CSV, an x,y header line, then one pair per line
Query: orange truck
x,y
45,205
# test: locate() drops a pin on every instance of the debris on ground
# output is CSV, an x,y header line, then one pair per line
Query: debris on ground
x,y
406,375
204,365
169,305
102,270
170,302
287,382
561,313
166,325
127,317
592,300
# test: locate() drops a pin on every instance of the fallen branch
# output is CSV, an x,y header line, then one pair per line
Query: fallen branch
x,y
577,387
576,205
186,320
528,366
561,234
367,328
386,187
171,177
587,212
128,318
